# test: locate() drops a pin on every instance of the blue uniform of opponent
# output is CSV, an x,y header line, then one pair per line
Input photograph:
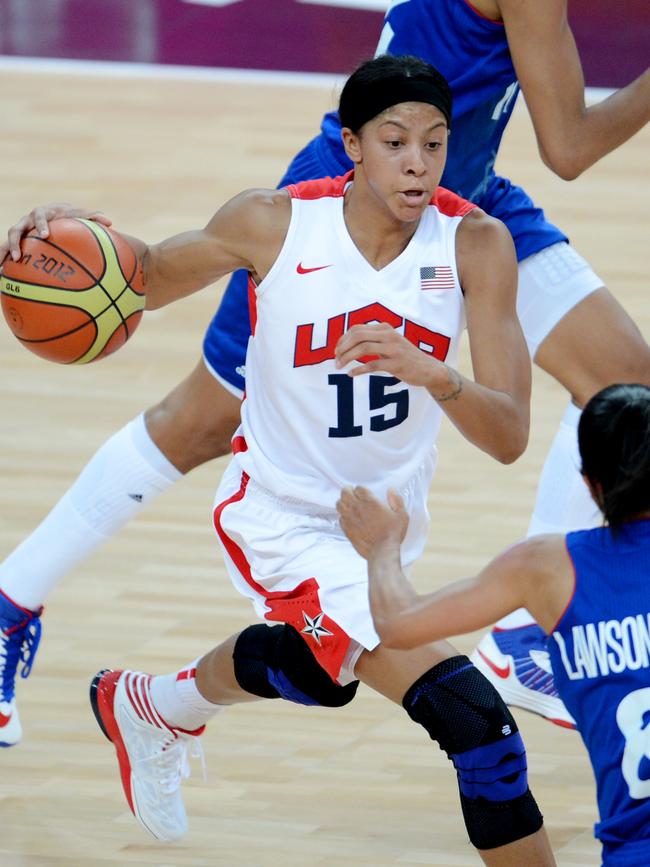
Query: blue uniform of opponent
x,y
600,651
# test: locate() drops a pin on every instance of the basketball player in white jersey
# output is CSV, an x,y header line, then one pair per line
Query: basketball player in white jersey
x,y
360,288
484,47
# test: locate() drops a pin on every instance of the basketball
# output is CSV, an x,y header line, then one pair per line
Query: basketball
x,y
75,296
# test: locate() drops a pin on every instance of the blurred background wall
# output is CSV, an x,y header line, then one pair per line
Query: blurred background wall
x,y
293,35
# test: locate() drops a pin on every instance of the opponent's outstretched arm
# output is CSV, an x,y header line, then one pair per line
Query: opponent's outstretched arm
x,y
570,136
534,574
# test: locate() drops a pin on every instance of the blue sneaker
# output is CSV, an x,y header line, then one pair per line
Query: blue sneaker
x,y
20,634
517,663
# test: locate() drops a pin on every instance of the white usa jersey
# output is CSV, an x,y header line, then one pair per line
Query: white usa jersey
x,y
307,428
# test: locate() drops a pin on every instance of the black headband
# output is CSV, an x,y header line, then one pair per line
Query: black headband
x,y
380,95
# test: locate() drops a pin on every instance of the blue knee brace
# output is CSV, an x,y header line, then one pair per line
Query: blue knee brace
x,y
461,710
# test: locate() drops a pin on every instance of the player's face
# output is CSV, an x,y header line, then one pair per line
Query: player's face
x,y
401,154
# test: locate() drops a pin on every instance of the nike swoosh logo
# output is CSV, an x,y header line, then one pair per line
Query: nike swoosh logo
x,y
497,669
302,270
4,720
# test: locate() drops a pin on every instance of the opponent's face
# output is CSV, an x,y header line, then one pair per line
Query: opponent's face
x,y
401,155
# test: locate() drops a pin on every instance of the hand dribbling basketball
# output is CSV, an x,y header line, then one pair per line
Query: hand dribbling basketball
x,y
71,289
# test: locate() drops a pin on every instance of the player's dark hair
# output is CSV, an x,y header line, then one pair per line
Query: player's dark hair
x,y
614,442
385,81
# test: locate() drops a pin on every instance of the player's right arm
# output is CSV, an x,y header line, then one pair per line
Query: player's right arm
x,y
247,232
570,136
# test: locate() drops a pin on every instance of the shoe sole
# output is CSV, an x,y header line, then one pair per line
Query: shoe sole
x,y
101,702
94,700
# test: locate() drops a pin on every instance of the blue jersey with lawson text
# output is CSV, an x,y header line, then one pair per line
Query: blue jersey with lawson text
x,y
600,652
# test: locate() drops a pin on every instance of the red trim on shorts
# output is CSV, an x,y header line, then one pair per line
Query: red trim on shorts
x,y
481,15
234,551
238,445
186,674
300,607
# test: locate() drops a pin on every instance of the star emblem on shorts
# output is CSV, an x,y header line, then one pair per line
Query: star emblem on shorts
x,y
314,627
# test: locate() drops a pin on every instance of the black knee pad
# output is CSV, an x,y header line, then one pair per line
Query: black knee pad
x,y
461,710
275,662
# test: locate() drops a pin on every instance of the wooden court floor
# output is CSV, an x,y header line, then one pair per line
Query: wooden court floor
x,y
286,786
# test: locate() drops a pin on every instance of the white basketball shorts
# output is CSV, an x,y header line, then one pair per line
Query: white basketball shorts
x,y
294,562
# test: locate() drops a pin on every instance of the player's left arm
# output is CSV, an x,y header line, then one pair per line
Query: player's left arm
x,y
570,135
525,575
492,410
498,417
247,232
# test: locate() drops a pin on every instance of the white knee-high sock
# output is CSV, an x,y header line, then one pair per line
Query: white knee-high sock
x,y
563,500
126,473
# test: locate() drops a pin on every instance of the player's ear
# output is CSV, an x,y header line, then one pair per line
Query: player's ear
x,y
352,144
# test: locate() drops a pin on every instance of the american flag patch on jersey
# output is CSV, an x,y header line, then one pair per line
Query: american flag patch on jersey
x,y
437,277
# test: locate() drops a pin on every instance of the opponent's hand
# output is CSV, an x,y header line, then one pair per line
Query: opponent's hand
x,y
370,524
380,348
38,218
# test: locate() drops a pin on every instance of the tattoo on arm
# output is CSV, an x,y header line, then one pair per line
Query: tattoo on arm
x,y
456,384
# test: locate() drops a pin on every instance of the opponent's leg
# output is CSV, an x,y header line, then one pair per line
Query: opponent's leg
x,y
580,334
460,709
191,425
594,345
152,721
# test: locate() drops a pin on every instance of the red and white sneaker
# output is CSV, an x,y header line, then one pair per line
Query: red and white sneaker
x,y
152,755
517,663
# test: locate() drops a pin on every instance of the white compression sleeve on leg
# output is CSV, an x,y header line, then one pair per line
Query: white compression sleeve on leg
x,y
126,473
563,500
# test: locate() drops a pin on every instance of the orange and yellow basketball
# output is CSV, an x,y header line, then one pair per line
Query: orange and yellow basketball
x,y
75,296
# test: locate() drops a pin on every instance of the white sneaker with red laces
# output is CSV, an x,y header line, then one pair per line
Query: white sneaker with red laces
x,y
152,756
518,665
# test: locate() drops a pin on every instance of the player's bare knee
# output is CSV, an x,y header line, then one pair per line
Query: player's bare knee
x,y
188,432
461,710
275,662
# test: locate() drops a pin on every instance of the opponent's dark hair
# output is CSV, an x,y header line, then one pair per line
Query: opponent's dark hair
x,y
614,442
385,81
